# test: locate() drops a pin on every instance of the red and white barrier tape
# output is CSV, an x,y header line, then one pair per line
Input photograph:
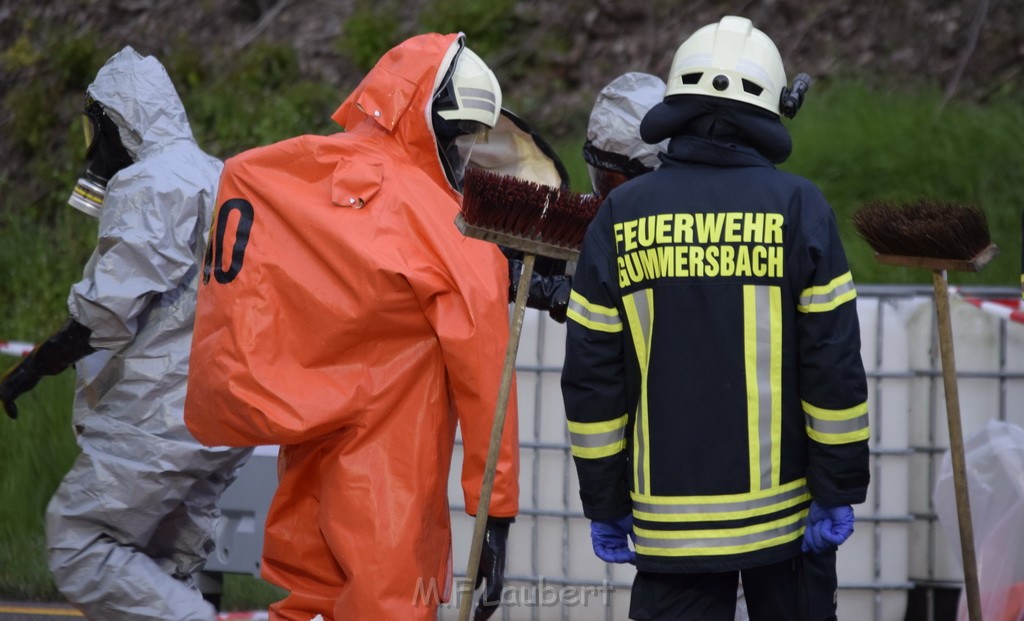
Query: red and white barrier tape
x,y
16,348
1004,308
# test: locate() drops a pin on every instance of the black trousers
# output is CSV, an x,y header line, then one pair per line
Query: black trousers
x,y
803,588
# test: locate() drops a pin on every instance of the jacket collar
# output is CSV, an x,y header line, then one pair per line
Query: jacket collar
x,y
691,149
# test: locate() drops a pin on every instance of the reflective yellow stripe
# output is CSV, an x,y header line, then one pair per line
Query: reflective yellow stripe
x,y
753,394
599,451
592,316
775,321
824,298
844,414
722,507
837,426
599,439
604,426
717,533
639,307
839,438
762,351
709,542
790,500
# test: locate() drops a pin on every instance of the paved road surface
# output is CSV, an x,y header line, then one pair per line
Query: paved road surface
x,y
33,611
36,611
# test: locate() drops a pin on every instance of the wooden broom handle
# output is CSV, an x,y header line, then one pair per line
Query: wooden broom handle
x,y
956,444
500,410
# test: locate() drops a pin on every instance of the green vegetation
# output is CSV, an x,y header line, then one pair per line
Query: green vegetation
x,y
488,24
859,145
259,101
855,143
374,28
38,450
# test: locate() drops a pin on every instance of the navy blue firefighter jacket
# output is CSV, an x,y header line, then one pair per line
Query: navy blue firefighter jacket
x,y
713,381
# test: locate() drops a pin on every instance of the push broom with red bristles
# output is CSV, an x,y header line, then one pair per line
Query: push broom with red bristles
x,y
538,221
939,236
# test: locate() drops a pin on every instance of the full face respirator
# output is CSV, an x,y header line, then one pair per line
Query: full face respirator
x,y
105,154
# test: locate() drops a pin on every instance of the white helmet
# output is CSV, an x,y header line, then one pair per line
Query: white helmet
x,y
472,93
730,59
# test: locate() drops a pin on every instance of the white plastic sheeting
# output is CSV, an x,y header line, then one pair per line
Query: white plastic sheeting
x,y
995,475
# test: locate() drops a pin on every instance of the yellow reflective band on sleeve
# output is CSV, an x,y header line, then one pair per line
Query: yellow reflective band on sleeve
x,y
600,439
837,426
593,316
828,297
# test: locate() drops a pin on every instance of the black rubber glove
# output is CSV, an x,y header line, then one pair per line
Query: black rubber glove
x,y
550,293
65,347
18,380
492,567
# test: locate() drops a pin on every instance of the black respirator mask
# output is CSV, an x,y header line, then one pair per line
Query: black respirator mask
x,y
105,154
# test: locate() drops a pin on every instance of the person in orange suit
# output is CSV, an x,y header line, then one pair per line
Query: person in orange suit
x,y
343,316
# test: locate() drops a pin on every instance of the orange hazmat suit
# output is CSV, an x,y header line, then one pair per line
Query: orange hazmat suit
x,y
344,316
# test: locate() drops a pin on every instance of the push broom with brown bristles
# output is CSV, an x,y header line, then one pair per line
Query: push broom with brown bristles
x,y
939,236
538,221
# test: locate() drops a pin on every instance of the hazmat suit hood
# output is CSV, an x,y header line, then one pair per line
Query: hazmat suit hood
x,y
396,96
156,211
137,296
138,95
613,140
344,317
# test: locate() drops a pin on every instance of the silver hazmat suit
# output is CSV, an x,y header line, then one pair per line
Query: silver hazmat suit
x,y
132,522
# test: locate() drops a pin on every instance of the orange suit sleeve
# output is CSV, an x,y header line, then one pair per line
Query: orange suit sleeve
x,y
463,291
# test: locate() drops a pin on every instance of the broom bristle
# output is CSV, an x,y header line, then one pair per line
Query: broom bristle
x,y
503,203
526,210
923,228
567,218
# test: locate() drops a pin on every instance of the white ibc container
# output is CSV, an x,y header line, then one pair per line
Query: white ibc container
x,y
872,565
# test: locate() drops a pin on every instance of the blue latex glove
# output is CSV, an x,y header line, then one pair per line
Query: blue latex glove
x,y
827,527
611,540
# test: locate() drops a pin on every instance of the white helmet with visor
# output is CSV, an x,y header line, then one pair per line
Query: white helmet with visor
x,y
467,102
